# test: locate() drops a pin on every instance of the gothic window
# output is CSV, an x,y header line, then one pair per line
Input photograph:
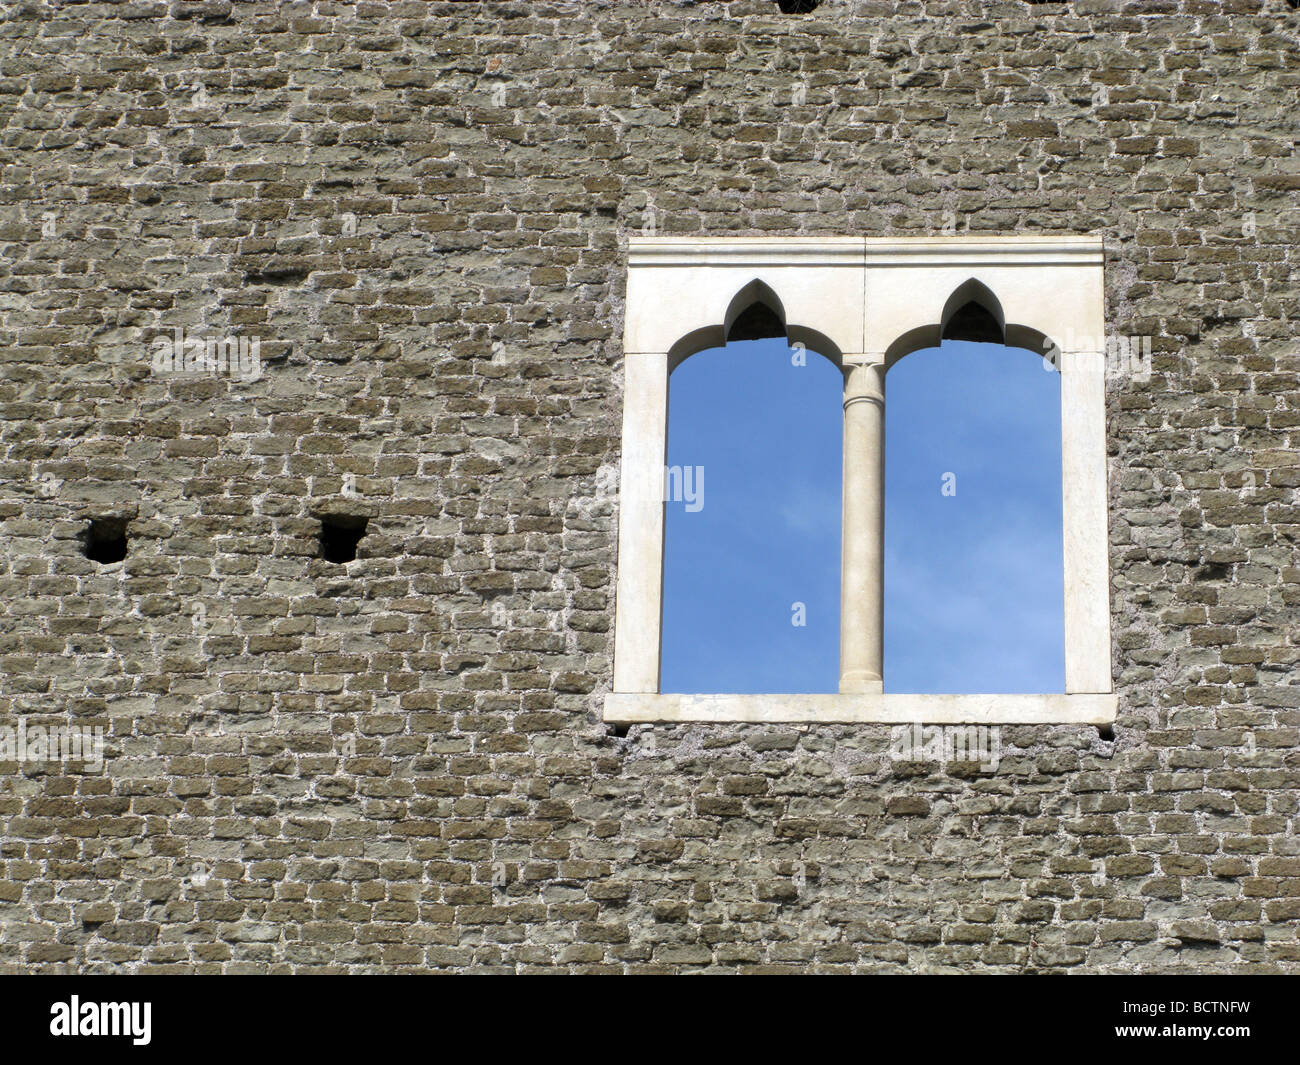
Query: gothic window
x,y
865,304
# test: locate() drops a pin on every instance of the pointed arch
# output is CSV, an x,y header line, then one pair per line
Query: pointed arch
x,y
755,313
972,312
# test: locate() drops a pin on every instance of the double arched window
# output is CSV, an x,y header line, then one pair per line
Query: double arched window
x,y
863,304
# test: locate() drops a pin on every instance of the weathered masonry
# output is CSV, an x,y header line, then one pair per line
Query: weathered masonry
x,y
341,600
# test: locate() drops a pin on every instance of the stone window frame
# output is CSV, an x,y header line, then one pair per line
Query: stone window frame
x,y
864,303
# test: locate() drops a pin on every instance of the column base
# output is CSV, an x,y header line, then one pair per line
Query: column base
x,y
861,682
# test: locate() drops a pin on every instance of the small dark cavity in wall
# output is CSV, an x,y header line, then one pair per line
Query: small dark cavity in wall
x,y
104,540
339,536
798,7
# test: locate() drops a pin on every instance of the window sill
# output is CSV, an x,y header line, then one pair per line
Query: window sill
x,y
625,708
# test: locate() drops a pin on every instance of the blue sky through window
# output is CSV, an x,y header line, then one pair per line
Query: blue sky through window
x,y
768,435
974,581
973,574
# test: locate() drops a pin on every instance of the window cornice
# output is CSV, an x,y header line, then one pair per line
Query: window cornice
x,y
964,250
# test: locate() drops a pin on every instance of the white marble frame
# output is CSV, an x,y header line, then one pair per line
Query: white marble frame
x,y
864,303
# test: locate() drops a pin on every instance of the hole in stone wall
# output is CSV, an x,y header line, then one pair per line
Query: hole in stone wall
x,y
798,7
105,540
339,536
1106,732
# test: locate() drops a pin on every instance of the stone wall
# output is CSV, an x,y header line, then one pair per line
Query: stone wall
x,y
419,210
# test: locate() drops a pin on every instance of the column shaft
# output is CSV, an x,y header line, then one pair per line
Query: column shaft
x,y
862,572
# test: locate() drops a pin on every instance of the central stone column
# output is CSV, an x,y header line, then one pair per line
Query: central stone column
x,y
862,570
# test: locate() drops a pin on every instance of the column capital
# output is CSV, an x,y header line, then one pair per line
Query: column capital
x,y
862,358
864,379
